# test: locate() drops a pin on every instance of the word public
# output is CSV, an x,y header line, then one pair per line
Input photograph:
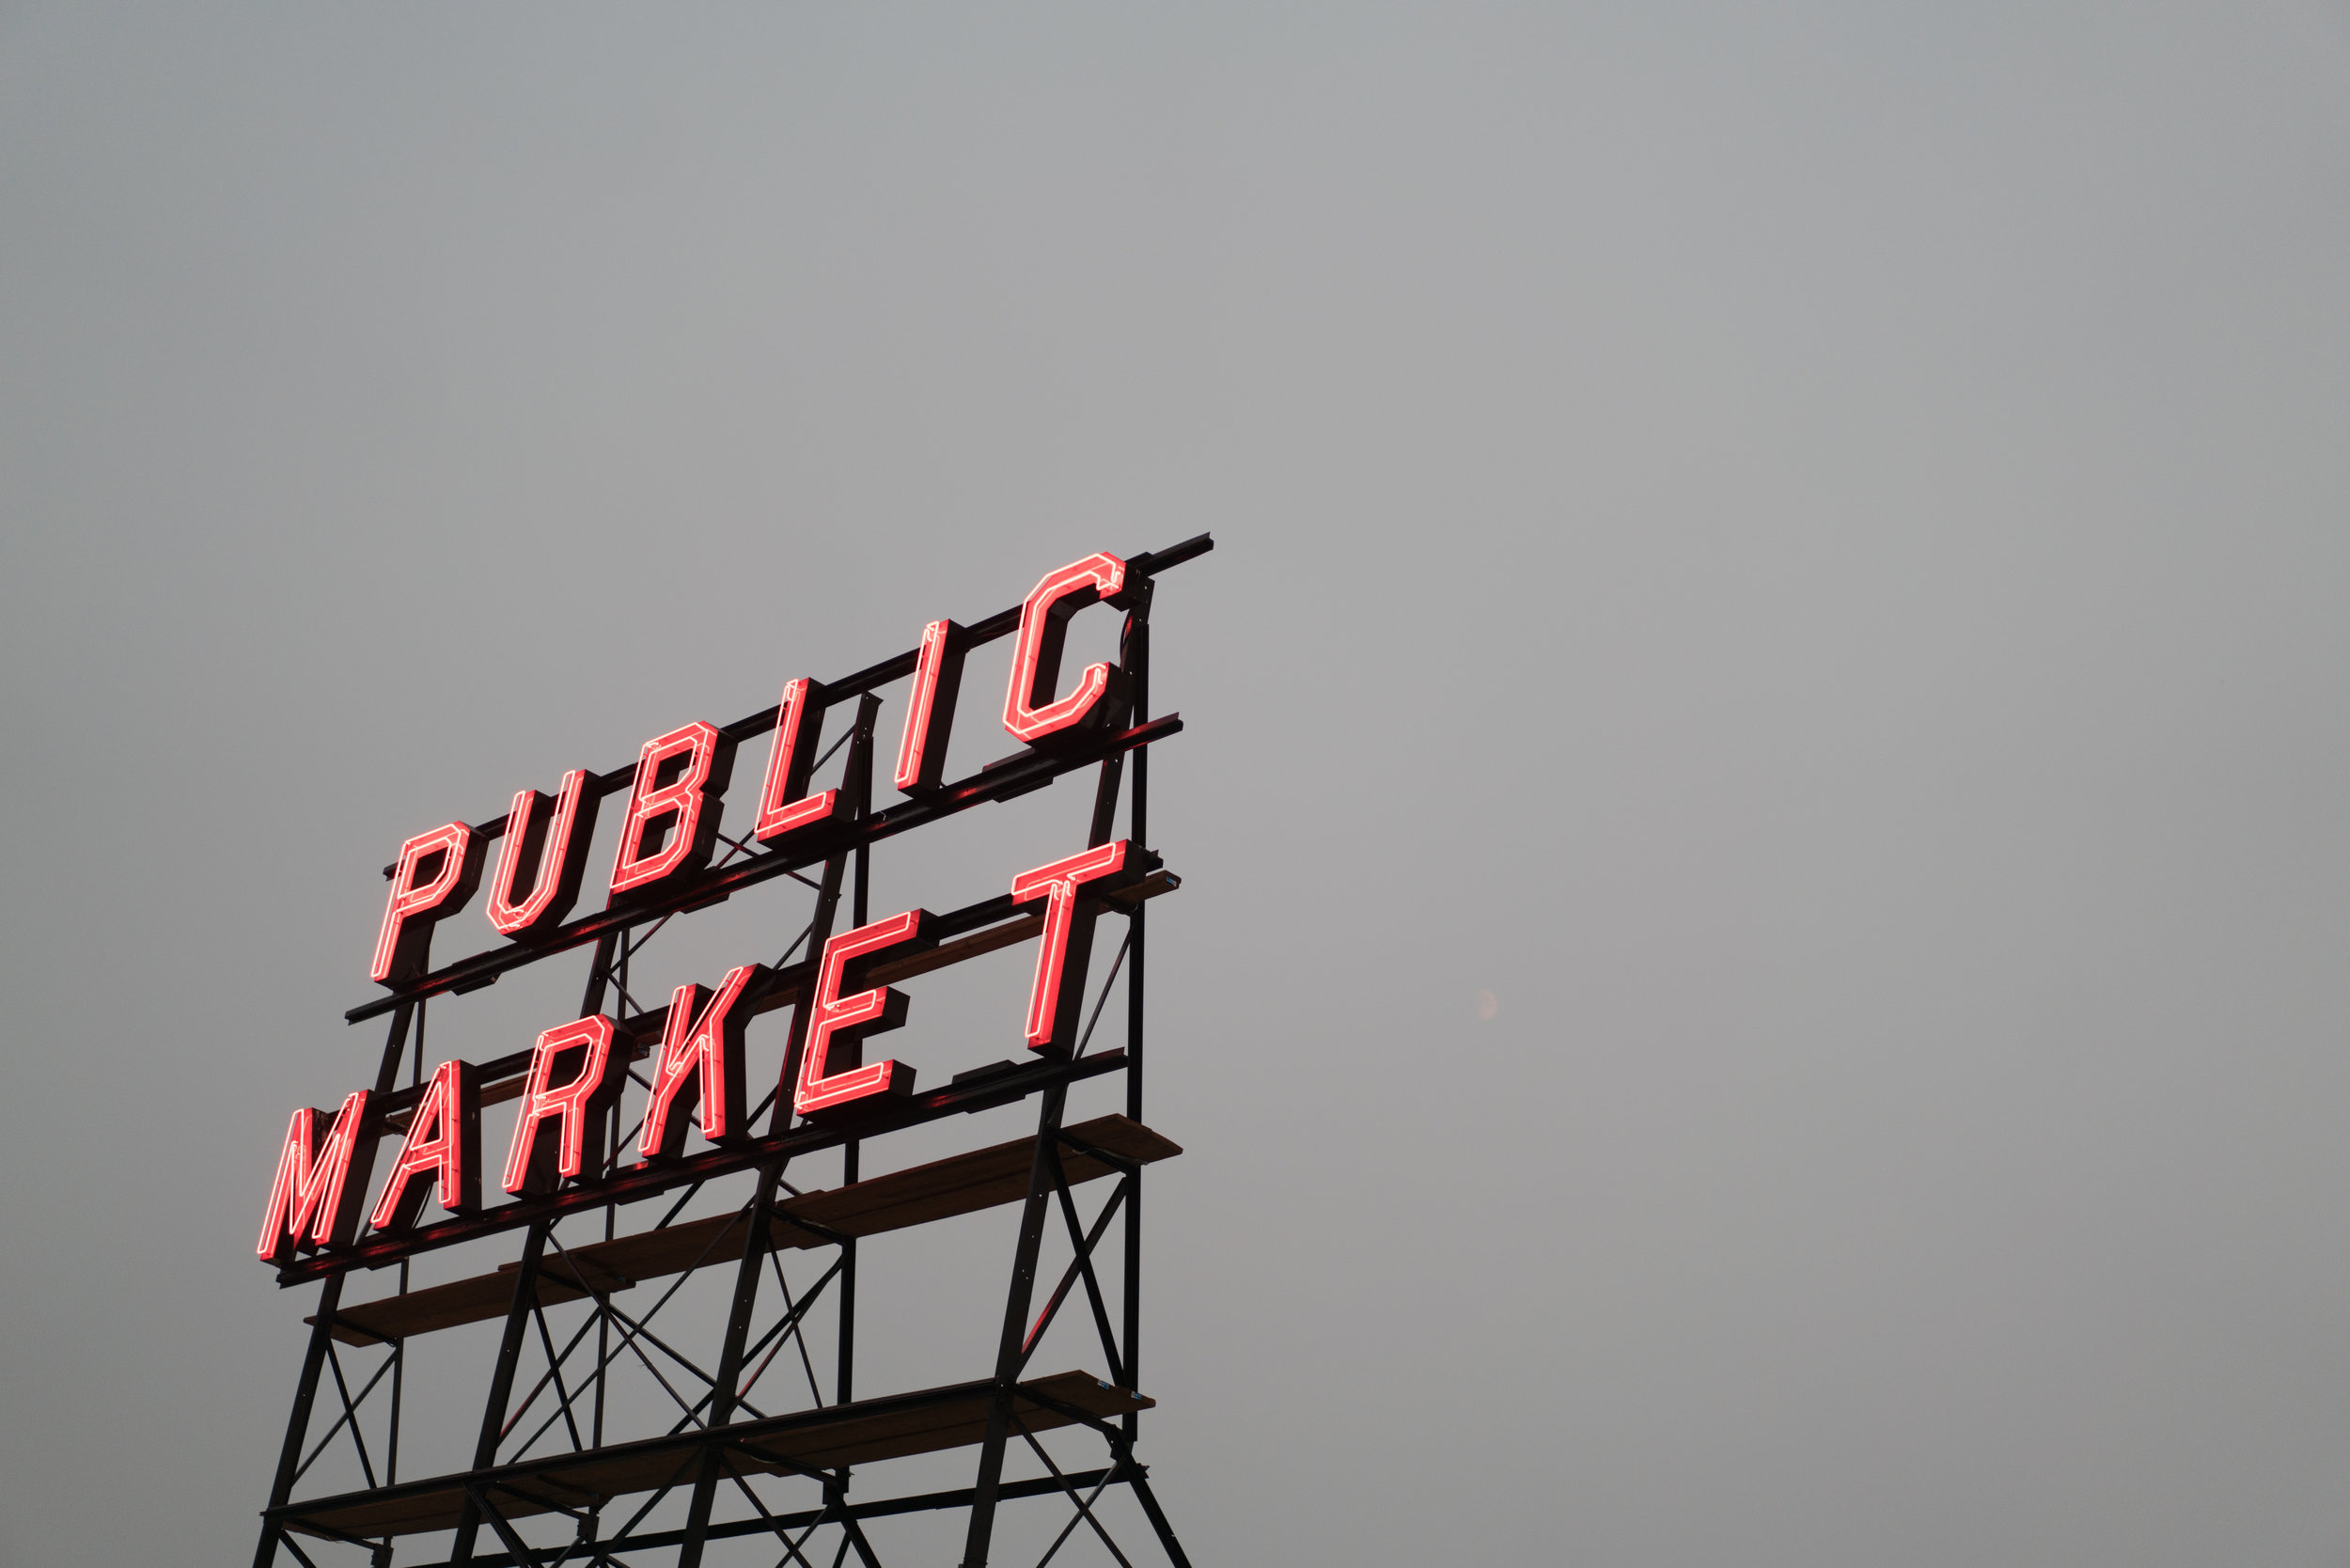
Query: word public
x,y
576,1069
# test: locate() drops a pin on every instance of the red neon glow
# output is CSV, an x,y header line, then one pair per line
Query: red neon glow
x,y
671,826
837,1025
546,845
436,874
784,804
317,1190
443,1151
930,707
699,1065
1030,711
532,1167
1057,996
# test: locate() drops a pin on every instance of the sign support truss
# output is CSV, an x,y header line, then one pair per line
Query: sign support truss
x,y
548,1483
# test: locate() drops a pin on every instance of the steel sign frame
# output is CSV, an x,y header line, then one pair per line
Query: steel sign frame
x,y
546,1451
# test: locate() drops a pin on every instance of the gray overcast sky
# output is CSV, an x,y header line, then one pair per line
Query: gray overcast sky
x,y
1801,549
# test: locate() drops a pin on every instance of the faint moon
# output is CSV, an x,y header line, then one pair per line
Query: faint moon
x,y
1487,1004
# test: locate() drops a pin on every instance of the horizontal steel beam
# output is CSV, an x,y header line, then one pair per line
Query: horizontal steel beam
x,y
880,1508
894,1426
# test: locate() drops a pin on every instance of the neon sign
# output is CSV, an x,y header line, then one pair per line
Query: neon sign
x,y
668,832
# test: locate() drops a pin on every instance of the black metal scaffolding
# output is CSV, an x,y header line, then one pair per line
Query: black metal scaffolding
x,y
752,1446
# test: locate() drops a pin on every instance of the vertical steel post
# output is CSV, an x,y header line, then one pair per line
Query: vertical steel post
x,y
485,1453
722,1388
1138,666
1139,830
860,911
298,1424
330,1301
525,1302
400,1347
722,1393
984,1491
591,1002
1016,1300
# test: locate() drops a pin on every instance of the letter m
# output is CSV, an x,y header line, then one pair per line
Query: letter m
x,y
322,1181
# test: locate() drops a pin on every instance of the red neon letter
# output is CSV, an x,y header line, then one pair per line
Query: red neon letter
x,y
837,1025
930,707
673,814
532,1167
700,1064
444,1144
321,1187
545,853
785,806
673,811
436,874
1029,711
1058,996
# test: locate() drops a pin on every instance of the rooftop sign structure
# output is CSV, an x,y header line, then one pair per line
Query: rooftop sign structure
x,y
625,1102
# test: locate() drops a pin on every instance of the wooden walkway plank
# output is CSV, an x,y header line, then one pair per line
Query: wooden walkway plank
x,y
941,1189
860,1434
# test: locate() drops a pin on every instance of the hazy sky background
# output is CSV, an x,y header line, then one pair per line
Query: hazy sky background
x,y
1801,549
